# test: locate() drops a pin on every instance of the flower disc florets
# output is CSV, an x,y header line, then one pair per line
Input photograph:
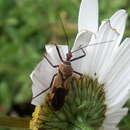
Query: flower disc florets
x,y
84,108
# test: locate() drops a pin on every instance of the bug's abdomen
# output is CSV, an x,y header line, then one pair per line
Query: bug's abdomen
x,y
58,98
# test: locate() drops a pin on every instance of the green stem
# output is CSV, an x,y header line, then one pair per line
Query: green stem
x,y
14,122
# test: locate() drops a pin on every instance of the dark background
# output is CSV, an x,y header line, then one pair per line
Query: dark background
x,y
25,27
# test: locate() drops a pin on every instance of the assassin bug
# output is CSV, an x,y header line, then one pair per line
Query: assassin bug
x,y
60,81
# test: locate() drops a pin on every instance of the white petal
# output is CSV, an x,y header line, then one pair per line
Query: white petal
x,y
77,64
41,98
118,72
102,52
120,100
43,73
112,119
88,16
82,39
117,79
122,80
115,117
117,22
53,53
118,60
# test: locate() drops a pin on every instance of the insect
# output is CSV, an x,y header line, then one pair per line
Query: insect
x,y
60,81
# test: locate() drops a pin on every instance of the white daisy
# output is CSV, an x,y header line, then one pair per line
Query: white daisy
x,y
108,63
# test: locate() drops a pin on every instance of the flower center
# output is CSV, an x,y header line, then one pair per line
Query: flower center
x,y
84,108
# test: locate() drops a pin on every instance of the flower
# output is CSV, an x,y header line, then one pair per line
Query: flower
x,y
105,66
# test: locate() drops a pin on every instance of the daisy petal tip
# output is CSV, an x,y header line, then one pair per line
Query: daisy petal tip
x,y
120,13
118,20
107,22
113,28
86,19
123,11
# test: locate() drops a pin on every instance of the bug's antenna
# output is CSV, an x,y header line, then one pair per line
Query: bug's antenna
x,y
93,44
63,27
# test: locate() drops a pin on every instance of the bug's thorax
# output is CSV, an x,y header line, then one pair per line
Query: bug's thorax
x,y
65,70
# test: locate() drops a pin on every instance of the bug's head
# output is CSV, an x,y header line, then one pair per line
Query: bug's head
x,y
69,55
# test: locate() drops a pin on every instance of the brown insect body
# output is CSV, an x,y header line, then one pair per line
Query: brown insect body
x,y
60,84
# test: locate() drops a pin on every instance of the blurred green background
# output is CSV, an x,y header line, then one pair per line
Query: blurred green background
x,y
25,27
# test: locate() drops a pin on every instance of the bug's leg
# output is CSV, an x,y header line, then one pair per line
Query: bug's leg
x,y
47,88
84,54
54,66
58,51
80,74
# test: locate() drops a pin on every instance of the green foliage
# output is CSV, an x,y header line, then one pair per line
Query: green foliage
x,y
25,27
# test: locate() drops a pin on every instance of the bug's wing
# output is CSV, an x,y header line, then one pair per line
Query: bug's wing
x,y
43,74
83,39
